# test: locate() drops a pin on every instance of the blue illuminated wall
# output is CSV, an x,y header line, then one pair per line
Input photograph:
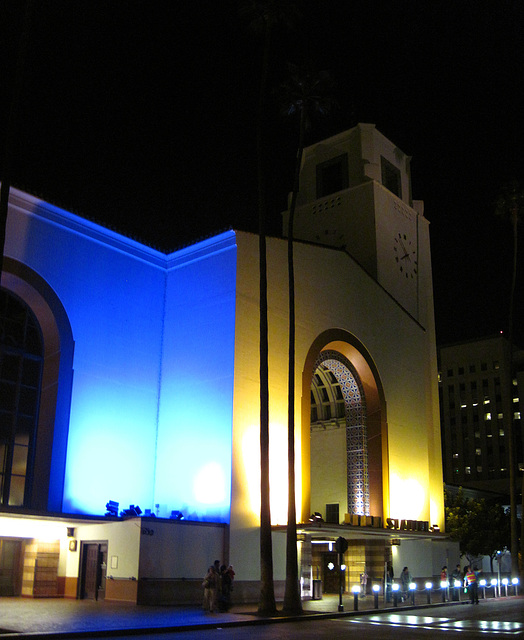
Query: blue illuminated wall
x,y
151,405
193,471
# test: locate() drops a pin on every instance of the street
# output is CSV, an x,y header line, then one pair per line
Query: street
x,y
497,618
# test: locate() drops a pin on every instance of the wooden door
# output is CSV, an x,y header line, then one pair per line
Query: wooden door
x,y
90,574
10,554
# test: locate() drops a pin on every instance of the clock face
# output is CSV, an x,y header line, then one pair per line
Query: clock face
x,y
405,255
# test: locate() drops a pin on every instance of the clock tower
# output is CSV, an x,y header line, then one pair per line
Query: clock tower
x,y
355,195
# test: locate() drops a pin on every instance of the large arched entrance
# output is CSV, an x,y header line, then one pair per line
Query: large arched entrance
x,y
338,427
48,451
344,430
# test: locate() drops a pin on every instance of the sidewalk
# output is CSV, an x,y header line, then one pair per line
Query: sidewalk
x,y
50,618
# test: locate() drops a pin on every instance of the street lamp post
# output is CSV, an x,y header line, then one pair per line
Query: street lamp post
x,y
341,546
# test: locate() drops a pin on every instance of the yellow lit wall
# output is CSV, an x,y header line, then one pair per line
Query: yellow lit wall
x,y
332,292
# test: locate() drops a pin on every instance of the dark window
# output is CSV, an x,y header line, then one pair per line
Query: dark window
x,y
332,513
21,361
391,177
332,176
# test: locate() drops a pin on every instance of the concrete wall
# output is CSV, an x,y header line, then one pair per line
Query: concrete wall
x,y
112,290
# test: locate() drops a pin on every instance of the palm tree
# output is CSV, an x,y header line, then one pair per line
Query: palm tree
x,y
303,94
510,205
263,16
5,185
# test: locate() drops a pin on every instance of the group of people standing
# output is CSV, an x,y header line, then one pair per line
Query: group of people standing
x,y
218,584
468,578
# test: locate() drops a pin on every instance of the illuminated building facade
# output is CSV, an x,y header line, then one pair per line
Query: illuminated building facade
x,y
142,388
477,393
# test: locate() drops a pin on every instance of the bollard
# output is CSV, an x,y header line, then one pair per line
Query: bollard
x,y
356,591
505,583
395,588
412,590
429,586
482,584
515,583
494,583
456,593
443,586
376,589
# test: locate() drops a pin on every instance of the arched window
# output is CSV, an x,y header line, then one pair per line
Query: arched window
x,y
21,363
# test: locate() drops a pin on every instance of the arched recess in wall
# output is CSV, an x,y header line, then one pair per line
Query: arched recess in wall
x,y
57,378
353,351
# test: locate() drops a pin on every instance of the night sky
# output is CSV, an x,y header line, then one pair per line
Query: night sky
x,y
142,116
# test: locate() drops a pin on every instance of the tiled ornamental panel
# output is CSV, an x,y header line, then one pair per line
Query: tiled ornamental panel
x,y
356,429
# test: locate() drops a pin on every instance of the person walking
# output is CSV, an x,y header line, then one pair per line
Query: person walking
x,y
405,581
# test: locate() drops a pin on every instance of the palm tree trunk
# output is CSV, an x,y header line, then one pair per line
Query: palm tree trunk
x,y
292,600
266,604
12,127
511,436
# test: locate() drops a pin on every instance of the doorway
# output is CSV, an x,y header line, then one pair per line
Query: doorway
x,y
93,567
330,572
10,567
